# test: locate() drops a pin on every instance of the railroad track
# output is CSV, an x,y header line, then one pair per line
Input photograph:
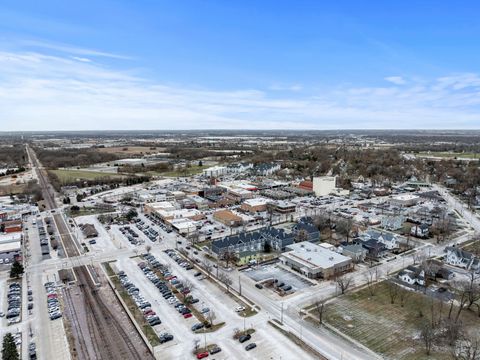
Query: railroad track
x,y
109,338
73,315
108,329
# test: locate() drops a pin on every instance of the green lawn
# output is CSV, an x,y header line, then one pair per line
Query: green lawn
x,y
67,176
192,170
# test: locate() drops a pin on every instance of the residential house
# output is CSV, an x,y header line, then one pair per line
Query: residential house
x,y
461,258
355,251
420,231
389,240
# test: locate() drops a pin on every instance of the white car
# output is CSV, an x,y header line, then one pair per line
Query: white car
x,y
240,309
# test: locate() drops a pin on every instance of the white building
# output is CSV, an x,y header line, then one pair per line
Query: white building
x,y
215,171
405,200
324,185
315,261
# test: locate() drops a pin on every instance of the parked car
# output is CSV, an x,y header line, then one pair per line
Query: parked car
x,y
202,355
240,309
215,350
244,338
250,346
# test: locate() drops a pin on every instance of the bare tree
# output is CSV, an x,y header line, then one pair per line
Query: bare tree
x,y
320,308
148,248
344,228
427,334
344,282
302,235
469,292
403,295
196,344
211,316
229,256
371,277
451,331
208,267
226,280
392,291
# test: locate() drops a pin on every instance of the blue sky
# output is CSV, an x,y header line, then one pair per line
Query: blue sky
x,y
239,64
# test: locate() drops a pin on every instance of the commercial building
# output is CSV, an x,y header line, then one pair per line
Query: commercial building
x,y
315,262
283,207
255,205
324,185
10,246
405,200
228,218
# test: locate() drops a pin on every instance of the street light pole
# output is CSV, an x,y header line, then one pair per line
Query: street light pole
x,y
281,314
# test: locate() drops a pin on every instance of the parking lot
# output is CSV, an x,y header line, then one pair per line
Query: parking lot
x,y
275,272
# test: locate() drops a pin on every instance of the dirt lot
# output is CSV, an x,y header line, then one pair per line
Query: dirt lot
x,y
389,329
131,150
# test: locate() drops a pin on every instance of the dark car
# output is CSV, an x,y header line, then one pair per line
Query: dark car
x,y
244,338
165,337
259,286
250,346
215,350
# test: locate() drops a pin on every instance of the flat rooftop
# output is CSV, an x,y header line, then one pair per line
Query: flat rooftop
x,y
314,256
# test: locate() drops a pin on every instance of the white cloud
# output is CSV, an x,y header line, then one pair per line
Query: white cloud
x,y
82,59
282,87
397,80
45,92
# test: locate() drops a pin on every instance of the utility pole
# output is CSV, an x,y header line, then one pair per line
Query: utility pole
x,y
239,286
281,314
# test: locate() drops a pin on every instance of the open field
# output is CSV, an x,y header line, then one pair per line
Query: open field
x,y
131,150
451,155
192,170
66,176
390,329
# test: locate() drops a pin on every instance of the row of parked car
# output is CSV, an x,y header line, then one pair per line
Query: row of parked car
x,y
150,274
178,259
157,222
130,234
14,300
42,234
245,338
53,303
145,307
149,232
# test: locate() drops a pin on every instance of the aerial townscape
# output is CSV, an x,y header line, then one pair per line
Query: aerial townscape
x,y
240,244
230,180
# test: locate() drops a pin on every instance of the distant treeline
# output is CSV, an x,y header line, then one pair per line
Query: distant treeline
x,y
104,181
58,158
13,156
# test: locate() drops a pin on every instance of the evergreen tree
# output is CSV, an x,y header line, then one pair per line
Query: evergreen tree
x,y
9,349
16,269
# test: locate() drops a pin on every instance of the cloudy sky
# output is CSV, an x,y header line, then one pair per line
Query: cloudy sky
x,y
270,64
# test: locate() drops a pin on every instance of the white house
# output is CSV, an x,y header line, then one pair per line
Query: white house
x,y
461,258
390,241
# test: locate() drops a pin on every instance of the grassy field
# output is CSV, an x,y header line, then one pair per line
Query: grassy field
x,y
131,150
67,176
388,329
448,155
192,170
